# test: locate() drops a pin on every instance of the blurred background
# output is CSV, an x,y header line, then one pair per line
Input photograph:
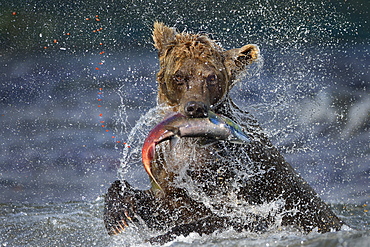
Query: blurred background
x,y
65,66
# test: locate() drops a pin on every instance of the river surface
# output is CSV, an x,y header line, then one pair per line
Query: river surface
x,y
80,224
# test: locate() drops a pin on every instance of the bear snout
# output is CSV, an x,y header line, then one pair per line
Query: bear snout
x,y
196,109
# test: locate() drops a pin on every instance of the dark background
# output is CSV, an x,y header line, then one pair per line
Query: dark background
x,y
311,94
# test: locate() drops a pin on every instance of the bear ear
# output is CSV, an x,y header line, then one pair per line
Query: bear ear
x,y
162,36
236,60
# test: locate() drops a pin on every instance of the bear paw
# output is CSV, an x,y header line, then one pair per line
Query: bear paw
x,y
119,207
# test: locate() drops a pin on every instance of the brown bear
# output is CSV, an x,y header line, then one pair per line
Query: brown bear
x,y
204,183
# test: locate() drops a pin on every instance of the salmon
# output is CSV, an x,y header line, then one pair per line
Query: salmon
x,y
177,125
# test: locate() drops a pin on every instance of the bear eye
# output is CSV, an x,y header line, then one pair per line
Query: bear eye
x,y
211,79
179,79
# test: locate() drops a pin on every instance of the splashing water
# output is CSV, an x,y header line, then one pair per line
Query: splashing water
x,y
80,224
131,155
102,122
311,97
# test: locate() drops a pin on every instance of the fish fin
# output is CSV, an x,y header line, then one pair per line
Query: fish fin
x,y
173,142
174,130
155,185
241,136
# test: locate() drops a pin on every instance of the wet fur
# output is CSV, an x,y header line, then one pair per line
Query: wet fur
x,y
212,185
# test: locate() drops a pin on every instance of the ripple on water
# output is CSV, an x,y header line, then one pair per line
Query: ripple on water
x,y
81,224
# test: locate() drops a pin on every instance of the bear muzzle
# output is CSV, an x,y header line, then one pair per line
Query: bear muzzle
x,y
196,109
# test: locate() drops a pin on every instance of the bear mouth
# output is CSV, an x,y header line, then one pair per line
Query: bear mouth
x,y
177,125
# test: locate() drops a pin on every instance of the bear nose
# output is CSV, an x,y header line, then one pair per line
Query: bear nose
x,y
196,109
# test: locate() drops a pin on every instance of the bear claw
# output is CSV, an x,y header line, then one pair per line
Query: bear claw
x,y
119,206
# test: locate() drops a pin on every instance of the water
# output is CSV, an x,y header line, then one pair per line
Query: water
x,y
80,224
56,161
